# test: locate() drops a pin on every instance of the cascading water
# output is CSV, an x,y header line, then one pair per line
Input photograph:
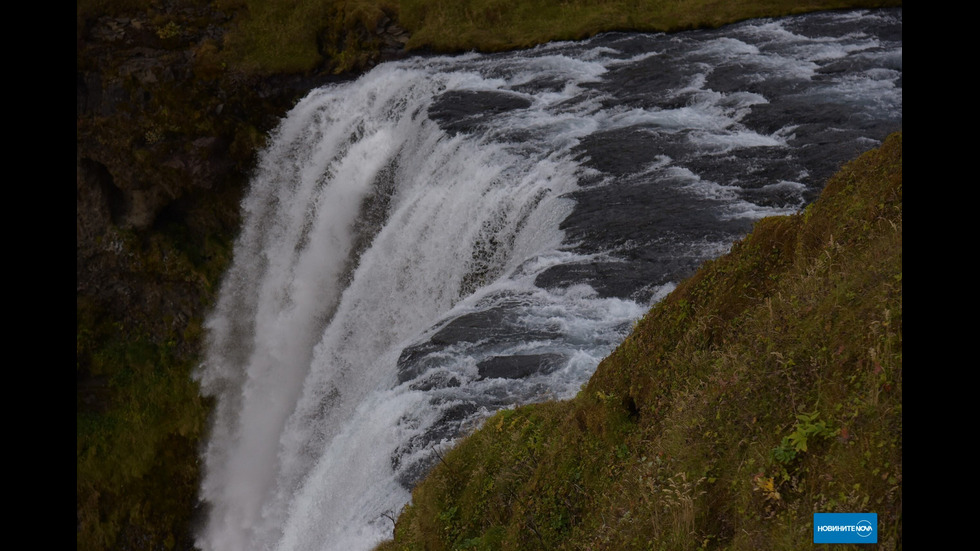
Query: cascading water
x,y
448,236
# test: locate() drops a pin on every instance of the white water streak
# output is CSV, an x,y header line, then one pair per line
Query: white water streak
x,y
292,381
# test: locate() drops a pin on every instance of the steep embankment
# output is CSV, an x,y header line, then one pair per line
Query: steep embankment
x,y
766,387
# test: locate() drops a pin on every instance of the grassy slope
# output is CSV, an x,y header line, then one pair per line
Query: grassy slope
x,y
765,388
272,37
502,24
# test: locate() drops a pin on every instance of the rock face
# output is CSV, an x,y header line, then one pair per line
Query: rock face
x,y
132,139
164,138
165,120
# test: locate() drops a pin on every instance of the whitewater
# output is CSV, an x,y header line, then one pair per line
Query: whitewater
x,y
448,236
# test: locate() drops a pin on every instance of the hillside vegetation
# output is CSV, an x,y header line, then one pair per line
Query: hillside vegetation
x,y
274,36
504,24
345,34
765,388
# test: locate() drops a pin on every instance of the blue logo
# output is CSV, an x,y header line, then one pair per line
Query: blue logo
x,y
845,528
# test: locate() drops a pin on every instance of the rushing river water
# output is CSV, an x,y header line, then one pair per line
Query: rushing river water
x,y
448,236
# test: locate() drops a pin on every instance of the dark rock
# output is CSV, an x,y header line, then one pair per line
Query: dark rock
x,y
462,110
519,366
94,193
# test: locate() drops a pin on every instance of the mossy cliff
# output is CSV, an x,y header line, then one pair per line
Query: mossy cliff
x,y
765,388
174,99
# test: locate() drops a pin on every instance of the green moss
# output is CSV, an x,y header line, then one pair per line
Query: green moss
x,y
140,416
765,388
296,37
142,443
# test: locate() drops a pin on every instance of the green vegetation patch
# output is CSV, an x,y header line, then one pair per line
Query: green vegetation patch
x,y
139,415
765,388
303,35
449,25
275,36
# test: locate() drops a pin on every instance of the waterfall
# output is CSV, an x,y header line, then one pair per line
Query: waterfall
x,y
448,236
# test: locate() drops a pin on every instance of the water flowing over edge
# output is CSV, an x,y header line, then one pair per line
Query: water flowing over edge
x,y
410,262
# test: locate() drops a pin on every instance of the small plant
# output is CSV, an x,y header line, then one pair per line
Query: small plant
x,y
170,30
807,428
766,485
680,498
